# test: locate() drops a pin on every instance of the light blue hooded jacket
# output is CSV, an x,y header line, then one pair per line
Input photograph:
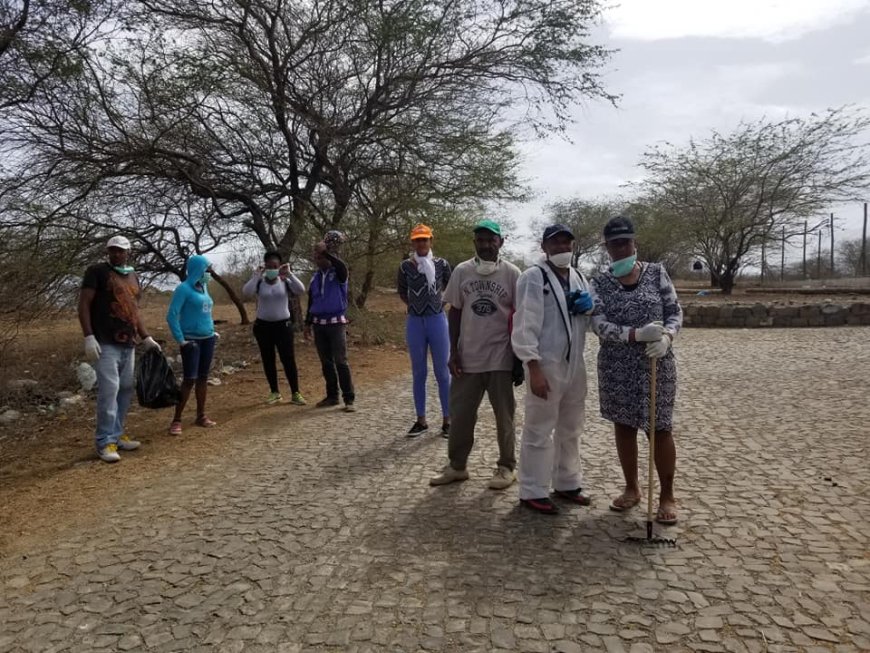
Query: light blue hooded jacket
x,y
189,316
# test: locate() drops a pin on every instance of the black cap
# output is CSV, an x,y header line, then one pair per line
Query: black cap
x,y
618,227
556,229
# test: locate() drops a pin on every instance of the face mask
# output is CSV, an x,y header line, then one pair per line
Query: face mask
x,y
270,274
485,268
205,278
623,266
562,260
122,269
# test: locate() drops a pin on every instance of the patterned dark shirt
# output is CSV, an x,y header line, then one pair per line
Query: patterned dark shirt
x,y
415,291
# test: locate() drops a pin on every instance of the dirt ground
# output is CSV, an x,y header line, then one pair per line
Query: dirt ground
x,y
50,476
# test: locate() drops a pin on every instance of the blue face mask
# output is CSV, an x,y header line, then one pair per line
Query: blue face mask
x,y
122,269
270,274
205,278
623,266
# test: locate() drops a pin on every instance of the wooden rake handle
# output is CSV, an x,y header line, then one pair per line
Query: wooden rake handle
x,y
653,364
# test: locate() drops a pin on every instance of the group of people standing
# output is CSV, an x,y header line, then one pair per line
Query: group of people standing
x,y
111,324
487,327
505,326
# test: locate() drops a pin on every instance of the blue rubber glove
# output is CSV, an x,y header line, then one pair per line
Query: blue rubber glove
x,y
583,303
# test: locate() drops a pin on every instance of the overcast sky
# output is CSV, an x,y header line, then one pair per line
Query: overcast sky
x,y
685,67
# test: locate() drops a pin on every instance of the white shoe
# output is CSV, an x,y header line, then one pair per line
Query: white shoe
x,y
126,443
503,478
449,475
109,453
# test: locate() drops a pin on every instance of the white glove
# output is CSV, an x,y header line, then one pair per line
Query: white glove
x,y
92,349
651,332
151,343
658,348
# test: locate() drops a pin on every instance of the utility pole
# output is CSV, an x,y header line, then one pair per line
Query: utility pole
x,y
819,256
782,258
832,245
805,250
864,245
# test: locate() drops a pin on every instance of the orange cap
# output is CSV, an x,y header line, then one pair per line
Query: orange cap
x,y
421,231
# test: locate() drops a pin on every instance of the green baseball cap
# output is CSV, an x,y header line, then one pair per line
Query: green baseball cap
x,y
489,225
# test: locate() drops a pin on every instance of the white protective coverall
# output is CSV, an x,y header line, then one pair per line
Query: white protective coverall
x,y
544,330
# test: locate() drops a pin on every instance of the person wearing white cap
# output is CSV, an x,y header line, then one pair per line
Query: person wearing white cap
x,y
111,322
554,309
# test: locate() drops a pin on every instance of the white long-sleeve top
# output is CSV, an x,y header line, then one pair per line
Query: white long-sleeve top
x,y
273,303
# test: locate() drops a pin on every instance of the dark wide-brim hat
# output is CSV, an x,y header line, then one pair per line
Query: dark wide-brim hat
x,y
618,227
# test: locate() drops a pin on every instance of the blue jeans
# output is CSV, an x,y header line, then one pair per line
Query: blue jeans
x,y
424,333
115,385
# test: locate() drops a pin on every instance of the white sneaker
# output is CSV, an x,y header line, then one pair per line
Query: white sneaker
x,y
109,453
126,443
449,475
503,478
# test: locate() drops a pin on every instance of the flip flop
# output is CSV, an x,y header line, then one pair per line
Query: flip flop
x,y
664,521
624,503
205,422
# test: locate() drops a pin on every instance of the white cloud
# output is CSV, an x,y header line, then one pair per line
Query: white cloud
x,y
772,20
863,61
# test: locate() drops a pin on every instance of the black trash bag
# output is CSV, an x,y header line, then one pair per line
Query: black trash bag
x,y
518,373
156,386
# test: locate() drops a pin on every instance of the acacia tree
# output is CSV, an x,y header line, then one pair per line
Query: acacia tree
x,y
259,106
729,193
39,41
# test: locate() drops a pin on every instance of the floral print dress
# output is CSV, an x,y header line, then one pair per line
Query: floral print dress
x,y
623,367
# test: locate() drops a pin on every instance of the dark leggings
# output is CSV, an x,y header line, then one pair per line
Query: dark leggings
x,y
277,335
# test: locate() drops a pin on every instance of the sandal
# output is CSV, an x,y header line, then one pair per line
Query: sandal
x,y
624,502
666,517
175,428
205,422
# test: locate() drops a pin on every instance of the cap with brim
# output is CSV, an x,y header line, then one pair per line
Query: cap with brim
x,y
555,230
489,225
118,241
617,228
421,231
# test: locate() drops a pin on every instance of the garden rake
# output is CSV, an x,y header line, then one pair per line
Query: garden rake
x,y
650,539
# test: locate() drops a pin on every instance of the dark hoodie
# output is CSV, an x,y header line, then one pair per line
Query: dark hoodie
x,y
189,316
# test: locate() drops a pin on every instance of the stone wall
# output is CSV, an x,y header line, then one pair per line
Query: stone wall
x,y
774,315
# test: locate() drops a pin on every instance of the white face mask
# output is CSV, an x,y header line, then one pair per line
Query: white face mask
x,y
562,260
485,268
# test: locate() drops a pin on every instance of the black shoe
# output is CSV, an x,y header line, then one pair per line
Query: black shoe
x,y
445,431
543,506
326,403
575,496
418,430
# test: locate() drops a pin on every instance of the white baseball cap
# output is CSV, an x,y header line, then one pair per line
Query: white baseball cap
x,y
118,241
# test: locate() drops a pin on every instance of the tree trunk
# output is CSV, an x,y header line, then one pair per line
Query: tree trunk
x,y
726,282
368,283
714,278
234,298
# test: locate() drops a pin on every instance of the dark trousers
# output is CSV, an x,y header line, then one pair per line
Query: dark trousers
x,y
466,395
331,343
277,335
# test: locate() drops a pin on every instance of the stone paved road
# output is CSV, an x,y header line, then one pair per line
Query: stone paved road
x,y
326,536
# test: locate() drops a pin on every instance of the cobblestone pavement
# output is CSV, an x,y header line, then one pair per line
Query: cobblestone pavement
x,y
324,535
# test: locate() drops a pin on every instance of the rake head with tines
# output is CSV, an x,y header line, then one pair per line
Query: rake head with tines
x,y
651,539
